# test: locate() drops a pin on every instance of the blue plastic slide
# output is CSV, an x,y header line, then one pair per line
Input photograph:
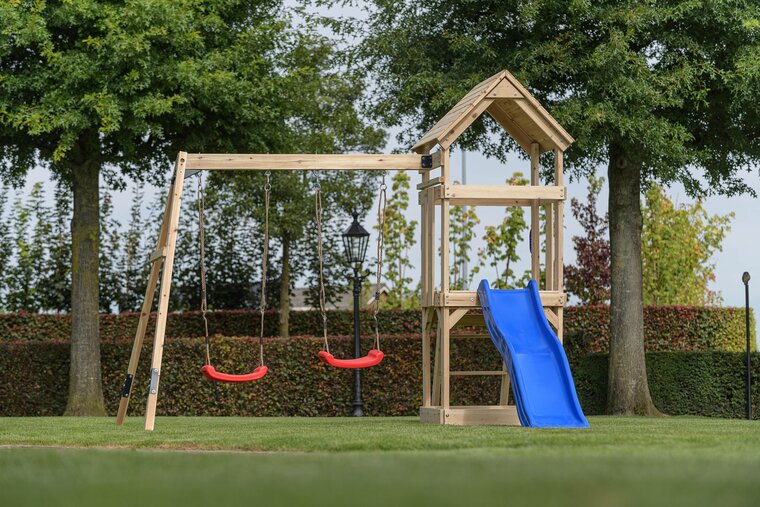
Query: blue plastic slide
x,y
538,369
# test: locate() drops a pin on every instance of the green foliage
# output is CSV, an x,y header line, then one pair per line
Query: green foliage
x,y
399,239
110,281
682,383
21,274
462,232
502,243
673,83
666,328
586,327
589,279
677,245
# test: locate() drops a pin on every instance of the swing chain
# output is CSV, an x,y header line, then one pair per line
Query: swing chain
x,y
382,203
320,257
264,263
202,245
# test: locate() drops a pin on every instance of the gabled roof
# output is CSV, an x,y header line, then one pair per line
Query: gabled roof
x,y
511,105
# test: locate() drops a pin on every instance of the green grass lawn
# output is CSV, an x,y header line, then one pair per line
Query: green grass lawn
x,y
368,462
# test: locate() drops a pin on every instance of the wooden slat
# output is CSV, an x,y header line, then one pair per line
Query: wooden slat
x,y
486,415
494,192
451,135
464,298
508,124
221,161
478,373
429,183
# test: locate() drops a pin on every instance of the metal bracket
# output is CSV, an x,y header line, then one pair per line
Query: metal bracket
x,y
191,172
127,387
154,373
427,161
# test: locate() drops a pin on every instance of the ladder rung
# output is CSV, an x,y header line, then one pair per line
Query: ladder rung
x,y
469,335
157,254
476,373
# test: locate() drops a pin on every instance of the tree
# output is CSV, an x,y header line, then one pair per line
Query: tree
x,y
676,247
502,243
55,291
463,222
6,247
110,281
589,279
21,283
133,255
101,89
399,238
656,91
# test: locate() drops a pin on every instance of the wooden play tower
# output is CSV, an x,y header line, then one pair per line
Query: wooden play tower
x,y
445,311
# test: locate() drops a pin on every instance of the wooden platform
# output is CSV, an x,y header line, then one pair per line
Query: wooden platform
x,y
471,415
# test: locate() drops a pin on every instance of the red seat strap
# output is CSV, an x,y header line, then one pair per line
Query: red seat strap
x,y
210,373
373,358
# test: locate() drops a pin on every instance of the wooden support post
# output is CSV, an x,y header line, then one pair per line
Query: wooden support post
x,y
559,226
504,391
535,225
437,360
166,279
445,357
425,357
142,325
550,234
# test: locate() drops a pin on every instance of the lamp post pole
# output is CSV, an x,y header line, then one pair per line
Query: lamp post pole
x,y
355,240
358,403
745,279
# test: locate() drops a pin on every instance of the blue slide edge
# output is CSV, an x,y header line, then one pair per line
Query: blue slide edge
x,y
532,387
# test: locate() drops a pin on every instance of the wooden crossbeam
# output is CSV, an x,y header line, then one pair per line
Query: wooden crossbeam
x,y
354,162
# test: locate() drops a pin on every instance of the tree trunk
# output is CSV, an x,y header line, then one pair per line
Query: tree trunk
x,y
285,290
627,388
85,385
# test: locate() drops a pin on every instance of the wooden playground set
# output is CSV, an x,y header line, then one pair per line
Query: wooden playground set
x,y
446,314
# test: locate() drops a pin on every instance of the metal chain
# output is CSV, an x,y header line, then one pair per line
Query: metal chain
x,y
381,215
264,263
320,257
202,244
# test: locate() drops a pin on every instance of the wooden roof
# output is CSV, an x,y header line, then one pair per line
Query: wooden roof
x,y
510,105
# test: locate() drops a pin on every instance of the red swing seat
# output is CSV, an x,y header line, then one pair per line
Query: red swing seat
x,y
210,373
373,358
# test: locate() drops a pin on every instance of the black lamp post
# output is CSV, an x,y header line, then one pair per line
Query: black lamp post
x,y
745,280
355,241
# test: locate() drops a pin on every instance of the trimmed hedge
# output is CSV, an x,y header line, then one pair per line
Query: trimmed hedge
x,y
681,383
666,328
36,379
298,383
586,328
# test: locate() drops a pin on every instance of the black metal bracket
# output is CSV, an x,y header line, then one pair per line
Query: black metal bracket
x,y
427,161
125,390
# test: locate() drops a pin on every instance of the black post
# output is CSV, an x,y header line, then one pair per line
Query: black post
x,y
358,404
745,279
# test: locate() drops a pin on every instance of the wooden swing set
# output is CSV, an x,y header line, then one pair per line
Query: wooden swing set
x,y
443,310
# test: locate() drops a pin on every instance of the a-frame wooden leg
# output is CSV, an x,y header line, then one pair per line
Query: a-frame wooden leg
x,y
142,325
163,300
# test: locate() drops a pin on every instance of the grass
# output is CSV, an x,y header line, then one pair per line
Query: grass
x,y
389,461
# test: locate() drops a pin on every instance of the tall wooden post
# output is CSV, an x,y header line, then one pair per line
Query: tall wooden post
x,y
535,225
166,280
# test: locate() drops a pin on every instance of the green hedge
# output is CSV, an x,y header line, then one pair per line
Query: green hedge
x,y
666,328
36,374
681,383
35,377
586,328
